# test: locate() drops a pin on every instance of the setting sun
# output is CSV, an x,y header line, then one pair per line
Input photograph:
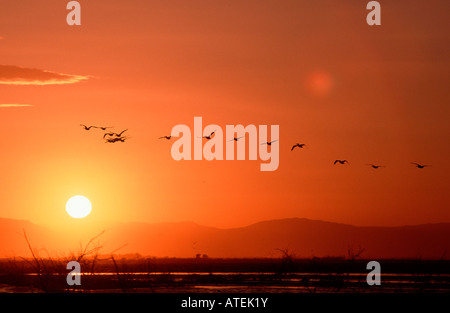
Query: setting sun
x,y
78,207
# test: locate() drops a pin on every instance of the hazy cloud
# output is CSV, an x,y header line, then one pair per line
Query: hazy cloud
x,y
15,75
14,105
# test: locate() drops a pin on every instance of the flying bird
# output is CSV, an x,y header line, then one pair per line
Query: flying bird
x,y
113,140
236,138
87,127
166,137
340,162
103,127
122,139
269,143
209,136
300,145
420,165
375,166
120,134
115,134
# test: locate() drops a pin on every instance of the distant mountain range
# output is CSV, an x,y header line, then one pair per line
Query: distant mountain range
x,y
298,236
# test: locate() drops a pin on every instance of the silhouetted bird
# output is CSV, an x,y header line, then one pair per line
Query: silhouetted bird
x,y
340,162
87,127
376,166
269,143
300,145
122,139
236,138
420,165
103,127
115,134
209,136
166,137
113,140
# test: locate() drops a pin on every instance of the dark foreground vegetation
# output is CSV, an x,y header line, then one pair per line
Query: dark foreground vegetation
x,y
202,274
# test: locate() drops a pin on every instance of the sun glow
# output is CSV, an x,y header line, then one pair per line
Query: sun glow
x,y
78,207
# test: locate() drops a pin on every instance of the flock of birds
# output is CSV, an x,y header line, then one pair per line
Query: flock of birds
x,y
109,137
112,137
300,146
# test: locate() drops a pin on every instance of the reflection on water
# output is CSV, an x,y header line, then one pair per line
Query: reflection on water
x,y
253,282
236,282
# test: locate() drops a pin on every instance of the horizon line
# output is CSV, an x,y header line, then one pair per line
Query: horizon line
x,y
243,226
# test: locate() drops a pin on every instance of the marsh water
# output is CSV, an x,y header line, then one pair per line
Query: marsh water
x,y
230,276
242,282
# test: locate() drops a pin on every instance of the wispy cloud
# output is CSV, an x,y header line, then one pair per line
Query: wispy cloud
x,y
14,105
15,75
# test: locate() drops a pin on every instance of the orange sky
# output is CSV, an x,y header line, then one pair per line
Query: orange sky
x,y
349,91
